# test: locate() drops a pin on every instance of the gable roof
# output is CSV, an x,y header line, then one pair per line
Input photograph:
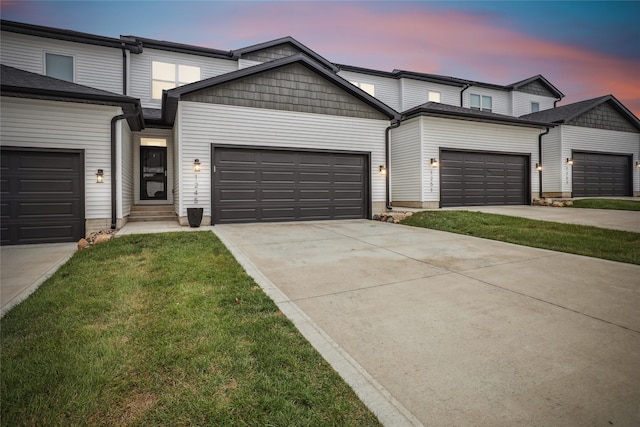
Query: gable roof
x,y
238,53
566,113
436,109
540,79
23,84
68,35
171,97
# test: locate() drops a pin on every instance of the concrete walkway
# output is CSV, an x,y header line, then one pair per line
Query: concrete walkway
x,y
441,329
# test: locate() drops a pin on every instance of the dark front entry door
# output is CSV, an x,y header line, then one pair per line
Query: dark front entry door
x,y
153,173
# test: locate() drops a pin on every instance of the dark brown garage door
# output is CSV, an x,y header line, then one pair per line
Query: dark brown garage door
x,y
597,174
42,196
254,185
477,178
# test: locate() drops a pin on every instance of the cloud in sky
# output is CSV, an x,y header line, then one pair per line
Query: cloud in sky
x,y
492,42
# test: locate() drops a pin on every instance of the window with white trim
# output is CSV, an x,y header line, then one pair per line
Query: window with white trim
x,y
367,87
59,66
166,75
433,96
480,102
535,107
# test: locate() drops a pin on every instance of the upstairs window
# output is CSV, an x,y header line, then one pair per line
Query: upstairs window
x,y
535,107
481,102
167,76
433,96
59,66
367,87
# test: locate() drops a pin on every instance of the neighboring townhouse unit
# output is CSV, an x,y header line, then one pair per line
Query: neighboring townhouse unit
x,y
96,129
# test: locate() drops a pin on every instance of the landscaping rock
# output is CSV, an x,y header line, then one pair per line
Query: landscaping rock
x,y
82,243
568,203
557,204
101,238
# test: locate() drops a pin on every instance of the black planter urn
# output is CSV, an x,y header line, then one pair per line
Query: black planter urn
x,y
194,215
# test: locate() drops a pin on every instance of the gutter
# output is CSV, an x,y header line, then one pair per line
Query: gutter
x,y
540,160
387,149
466,86
114,120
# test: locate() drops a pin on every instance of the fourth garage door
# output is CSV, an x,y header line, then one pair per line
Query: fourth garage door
x,y
601,174
482,178
256,185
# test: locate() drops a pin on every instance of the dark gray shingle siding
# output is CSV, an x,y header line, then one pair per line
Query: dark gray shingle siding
x,y
604,116
272,53
536,88
289,88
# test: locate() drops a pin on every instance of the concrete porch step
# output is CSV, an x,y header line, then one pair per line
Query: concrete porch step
x,y
143,213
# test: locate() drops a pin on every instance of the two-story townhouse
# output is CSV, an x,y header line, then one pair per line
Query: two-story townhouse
x,y
270,132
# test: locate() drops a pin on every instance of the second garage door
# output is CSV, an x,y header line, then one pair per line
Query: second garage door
x,y
42,196
599,174
480,178
255,185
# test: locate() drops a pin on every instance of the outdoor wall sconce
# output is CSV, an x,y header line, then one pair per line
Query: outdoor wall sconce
x,y
538,167
569,161
434,163
382,170
638,165
196,165
100,176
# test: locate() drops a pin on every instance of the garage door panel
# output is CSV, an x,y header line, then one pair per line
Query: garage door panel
x,y
601,175
42,196
477,178
288,186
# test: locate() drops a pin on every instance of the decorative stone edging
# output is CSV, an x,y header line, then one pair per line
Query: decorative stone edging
x,y
96,238
556,203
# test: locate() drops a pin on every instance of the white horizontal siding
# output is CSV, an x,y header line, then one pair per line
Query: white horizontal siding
x,y
125,167
246,63
50,124
415,92
141,71
522,102
204,124
96,66
439,133
387,89
601,141
406,162
552,161
501,99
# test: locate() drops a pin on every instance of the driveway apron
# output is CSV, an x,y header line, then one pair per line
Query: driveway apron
x,y
440,329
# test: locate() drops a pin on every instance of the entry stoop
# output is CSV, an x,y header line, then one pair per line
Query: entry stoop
x,y
142,213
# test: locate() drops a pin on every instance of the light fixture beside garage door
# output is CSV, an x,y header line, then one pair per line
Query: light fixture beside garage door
x,y
569,161
382,170
100,176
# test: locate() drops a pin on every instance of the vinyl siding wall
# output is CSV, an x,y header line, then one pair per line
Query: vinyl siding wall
x,y
50,124
387,90
141,77
406,162
96,66
522,102
439,133
415,92
598,140
201,125
552,162
125,169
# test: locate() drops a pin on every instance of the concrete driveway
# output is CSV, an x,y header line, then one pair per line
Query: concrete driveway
x,y
441,329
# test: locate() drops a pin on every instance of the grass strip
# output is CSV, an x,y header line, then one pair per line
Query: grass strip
x,y
614,245
163,329
621,205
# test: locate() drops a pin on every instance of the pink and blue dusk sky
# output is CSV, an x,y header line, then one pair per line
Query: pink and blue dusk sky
x,y
585,48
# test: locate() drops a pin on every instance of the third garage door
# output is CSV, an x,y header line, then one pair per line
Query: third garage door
x,y
481,178
255,185
599,174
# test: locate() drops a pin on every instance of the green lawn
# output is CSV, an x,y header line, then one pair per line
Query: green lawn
x,y
623,205
163,329
613,245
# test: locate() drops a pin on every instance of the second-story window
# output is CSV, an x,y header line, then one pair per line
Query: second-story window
x,y
433,96
59,66
535,107
480,102
166,75
367,87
